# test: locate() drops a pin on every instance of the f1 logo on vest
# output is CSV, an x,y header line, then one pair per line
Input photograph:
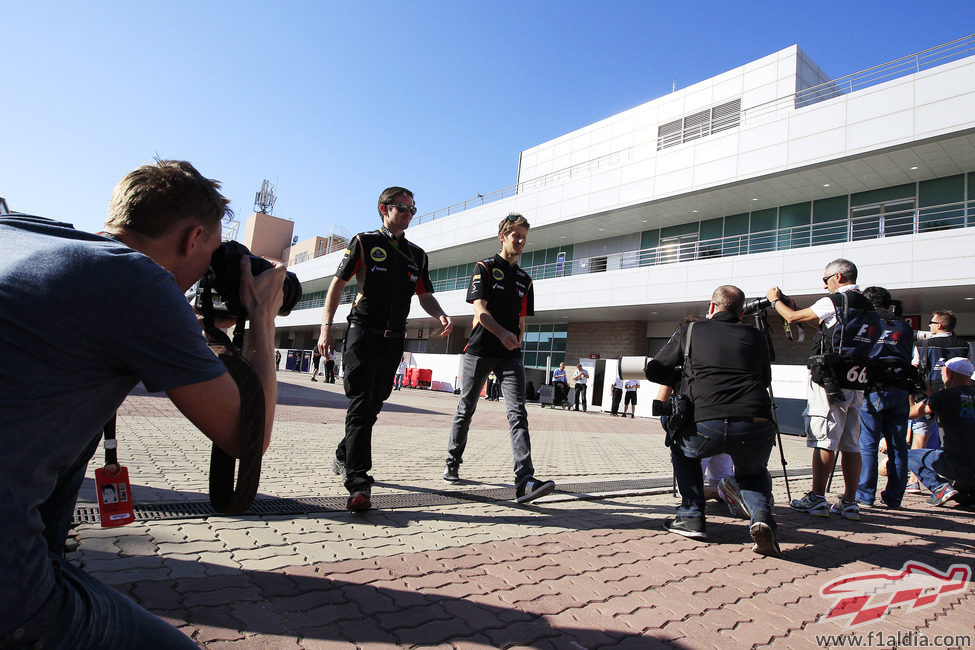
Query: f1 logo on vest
x,y
866,333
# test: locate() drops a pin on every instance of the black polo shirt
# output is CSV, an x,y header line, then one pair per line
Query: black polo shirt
x,y
509,294
389,271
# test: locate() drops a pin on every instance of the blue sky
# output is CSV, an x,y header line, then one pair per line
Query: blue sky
x,y
333,101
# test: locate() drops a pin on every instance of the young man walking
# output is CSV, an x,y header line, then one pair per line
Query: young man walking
x,y
389,270
501,293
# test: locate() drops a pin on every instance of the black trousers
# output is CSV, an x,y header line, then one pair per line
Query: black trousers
x,y
370,362
617,396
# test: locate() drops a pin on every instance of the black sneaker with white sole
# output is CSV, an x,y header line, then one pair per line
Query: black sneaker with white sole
x,y
451,471
692,527
532,488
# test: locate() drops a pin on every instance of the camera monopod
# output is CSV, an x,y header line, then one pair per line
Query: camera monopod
x,y
761,323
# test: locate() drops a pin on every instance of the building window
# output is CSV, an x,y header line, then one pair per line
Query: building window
x,y
544,345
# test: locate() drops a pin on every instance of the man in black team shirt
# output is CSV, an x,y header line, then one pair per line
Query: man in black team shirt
x,y
389,270
502,297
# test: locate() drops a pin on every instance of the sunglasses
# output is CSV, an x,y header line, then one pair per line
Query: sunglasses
x,y
513,218
402,207
826,279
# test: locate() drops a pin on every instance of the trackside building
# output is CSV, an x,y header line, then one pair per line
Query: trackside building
x,y
756,177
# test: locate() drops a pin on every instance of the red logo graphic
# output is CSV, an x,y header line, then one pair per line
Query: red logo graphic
x,y
867,597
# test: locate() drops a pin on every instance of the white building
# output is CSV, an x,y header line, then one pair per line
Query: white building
x,y
757,177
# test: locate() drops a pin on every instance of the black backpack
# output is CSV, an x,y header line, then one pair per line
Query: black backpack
x,y
847,346
934,352
890,359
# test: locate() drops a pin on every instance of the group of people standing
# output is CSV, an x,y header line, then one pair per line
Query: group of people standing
x,y
560,384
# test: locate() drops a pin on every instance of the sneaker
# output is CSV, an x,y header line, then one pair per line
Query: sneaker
x,y
942,494
729,492
450,472
914,487
313,378
813,504
532,488
359,501
338,467
692,527
846,509
764,537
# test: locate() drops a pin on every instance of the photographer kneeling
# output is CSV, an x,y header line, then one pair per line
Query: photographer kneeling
x,y
726,375
122,296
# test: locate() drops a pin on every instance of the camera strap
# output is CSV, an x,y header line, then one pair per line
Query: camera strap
x,y
687,369
224,496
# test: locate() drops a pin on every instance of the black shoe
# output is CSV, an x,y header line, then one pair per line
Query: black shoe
x,y
692,527
359,501
532,488
450,472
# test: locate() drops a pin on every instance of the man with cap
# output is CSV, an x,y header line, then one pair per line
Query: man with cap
x,y
949,472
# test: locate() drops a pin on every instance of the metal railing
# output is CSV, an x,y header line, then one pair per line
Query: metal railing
x,y
879,226
903,66
947,216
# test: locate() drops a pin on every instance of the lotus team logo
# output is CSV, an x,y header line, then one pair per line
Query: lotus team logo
x,y
498,274
867,597
378,254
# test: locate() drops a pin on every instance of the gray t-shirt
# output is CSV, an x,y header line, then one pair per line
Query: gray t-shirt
x,y
83,319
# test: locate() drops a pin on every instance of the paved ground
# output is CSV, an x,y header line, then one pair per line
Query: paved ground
x,y
463,566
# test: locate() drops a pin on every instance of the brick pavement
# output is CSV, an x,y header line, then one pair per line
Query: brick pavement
x,y
565,573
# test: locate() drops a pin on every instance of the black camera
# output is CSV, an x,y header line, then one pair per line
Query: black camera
x,y
754,305
661,407
222,282
822,370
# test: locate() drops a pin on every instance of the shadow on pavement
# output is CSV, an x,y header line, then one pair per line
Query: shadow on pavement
x,y
230,605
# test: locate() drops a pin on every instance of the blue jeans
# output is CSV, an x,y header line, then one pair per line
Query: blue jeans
x,y
510,375
884,417
84,613
748,443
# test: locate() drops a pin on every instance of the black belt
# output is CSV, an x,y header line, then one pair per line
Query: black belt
x,y
378,331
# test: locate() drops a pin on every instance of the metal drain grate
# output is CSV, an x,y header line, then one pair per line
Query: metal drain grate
x,y
416,499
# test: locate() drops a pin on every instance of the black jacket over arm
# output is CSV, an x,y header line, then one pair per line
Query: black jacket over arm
x,y
729,368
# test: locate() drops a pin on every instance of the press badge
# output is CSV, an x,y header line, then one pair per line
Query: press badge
x,y
114,494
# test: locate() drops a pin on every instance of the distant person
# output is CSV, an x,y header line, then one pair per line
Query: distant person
x,y
581,378
316,360
631,387
560,385
277,359
389,270
502,295
330,369
617,396
400,371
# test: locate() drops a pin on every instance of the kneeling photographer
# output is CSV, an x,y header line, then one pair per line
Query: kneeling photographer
x,y
726,375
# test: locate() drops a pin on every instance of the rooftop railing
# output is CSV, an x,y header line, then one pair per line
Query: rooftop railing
x,y
878,226
948,216
903,66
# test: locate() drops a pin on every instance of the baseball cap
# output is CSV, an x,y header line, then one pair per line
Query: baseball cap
x,y
961,365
